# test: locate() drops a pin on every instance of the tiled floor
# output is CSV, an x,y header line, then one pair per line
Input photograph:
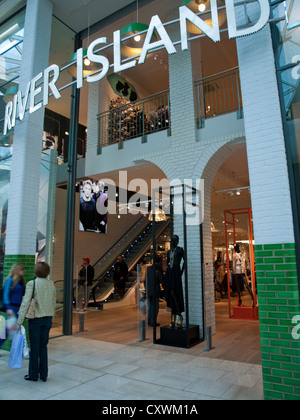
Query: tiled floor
x,y
85,369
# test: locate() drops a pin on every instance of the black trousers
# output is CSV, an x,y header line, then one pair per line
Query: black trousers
x,y
238,280
39,329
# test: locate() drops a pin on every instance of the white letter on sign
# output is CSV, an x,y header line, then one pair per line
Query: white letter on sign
x,y
165,39
51,84
231,19
96,58
186,14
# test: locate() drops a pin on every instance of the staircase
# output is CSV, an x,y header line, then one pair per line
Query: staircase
x,y
132,253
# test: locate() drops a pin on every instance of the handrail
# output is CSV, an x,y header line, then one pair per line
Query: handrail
x,y
123,122
216,74
146,99
218,94
127,231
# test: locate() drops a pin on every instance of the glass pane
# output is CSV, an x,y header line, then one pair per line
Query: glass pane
x,y
287,33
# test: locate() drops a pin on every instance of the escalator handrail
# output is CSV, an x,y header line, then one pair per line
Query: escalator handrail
x,y
119,240
132,264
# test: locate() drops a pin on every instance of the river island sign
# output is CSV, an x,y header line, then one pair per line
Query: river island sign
x,y
37,91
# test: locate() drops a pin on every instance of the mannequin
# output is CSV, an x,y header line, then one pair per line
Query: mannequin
x,y
219,270
239,273
173,282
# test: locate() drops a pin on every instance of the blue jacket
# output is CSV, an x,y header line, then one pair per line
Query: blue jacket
x,y
12,299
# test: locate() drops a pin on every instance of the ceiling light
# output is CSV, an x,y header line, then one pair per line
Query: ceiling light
x,y
137,38
238,192
160,216
88,66
200,5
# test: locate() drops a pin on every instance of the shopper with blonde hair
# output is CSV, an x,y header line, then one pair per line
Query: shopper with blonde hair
x,y
42,289
13,292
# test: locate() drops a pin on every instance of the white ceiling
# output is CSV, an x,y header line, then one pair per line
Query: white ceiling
x,y
71,11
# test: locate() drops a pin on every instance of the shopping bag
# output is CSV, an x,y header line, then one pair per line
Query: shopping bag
x,y
16,352
2,327
25,347
11,326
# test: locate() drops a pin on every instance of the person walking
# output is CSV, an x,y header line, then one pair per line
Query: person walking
x,y
86,277
13,292
120,276
154,279
44,292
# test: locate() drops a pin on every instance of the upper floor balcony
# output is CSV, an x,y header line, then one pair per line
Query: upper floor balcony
x,y
215,95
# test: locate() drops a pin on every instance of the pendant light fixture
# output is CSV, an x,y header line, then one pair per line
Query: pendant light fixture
x,y
201,6
133,46
160,216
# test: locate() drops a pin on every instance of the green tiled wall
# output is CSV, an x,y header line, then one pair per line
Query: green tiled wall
x,y
28,261
278,299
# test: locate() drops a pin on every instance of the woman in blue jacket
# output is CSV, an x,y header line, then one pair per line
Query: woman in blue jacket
x,y
13,292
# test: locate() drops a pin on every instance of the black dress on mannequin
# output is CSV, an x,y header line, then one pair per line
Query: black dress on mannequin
x,y
173,281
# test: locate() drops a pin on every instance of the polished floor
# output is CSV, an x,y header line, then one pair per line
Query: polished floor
x,y
91,366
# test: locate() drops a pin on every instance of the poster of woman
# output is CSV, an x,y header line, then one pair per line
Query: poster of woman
x,y
93,207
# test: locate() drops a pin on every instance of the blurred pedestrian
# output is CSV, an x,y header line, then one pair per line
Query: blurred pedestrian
x,y
13,292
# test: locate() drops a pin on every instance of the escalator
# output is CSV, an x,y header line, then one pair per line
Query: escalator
x,y
132,246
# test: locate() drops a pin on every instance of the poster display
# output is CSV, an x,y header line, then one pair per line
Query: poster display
x,y
93,206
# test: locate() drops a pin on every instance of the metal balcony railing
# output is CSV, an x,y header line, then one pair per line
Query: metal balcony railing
x,y
218,94
214,95
136,119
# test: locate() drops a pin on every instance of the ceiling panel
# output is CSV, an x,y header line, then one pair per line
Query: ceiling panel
x,y
78,14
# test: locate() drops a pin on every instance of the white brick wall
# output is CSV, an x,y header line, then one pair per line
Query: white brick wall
x,y
270,191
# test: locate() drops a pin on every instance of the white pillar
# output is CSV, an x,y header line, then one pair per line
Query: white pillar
x,y
270,190
25,174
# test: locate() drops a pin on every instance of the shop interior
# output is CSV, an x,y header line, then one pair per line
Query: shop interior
x,y
144,84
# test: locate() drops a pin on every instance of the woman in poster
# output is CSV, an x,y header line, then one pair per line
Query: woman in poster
x,y
87,208
101,199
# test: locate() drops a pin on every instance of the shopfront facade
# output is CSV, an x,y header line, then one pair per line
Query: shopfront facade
x,y
179,116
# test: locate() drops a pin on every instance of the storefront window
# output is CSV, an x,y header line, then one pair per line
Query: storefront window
x,y
286,35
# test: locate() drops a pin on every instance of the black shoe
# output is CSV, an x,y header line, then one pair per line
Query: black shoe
x,y
43,379
27,378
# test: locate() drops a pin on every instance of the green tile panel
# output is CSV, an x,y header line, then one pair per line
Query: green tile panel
x,y
278,299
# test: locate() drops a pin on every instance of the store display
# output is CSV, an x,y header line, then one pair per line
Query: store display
x,y
173,282
240,273
126,120
181,332
240,264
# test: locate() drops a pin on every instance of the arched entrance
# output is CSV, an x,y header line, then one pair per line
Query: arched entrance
x,y
227,186
110,316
